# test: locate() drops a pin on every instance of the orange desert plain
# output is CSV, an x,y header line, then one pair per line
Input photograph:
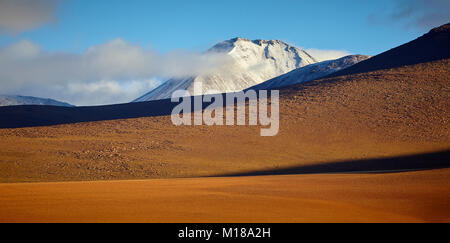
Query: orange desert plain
x,y
399,197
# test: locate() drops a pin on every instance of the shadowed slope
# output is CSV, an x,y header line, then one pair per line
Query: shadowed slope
x,y
435,45
36,115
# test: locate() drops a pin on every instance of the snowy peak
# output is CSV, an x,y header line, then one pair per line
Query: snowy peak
x,y
251,62
243,49
228,45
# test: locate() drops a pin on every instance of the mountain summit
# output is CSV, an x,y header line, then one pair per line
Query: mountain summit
x,y
251,62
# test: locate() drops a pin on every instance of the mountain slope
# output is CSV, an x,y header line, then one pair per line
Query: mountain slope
x,y
252,62
435,45
311,72
13,100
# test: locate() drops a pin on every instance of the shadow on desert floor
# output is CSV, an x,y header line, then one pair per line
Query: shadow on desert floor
x,y
428,161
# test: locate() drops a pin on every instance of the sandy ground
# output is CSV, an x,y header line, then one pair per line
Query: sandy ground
x,y
400,197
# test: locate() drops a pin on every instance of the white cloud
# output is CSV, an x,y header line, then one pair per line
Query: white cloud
x,y
21,50
104,91
21,15
112,72
93,93
323,55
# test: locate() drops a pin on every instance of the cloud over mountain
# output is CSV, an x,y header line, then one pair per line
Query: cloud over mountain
x,y
112,72
325,55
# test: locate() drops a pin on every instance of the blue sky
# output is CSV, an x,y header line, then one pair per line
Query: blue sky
x,y
90,52
198,24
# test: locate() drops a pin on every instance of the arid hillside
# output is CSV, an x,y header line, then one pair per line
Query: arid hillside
x,y
386,113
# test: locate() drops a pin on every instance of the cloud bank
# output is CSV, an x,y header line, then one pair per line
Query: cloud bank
x,y
20,15
112,72
421,14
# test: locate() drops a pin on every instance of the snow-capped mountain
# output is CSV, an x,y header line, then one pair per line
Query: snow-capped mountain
x,y
251,63
10,100
311,72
